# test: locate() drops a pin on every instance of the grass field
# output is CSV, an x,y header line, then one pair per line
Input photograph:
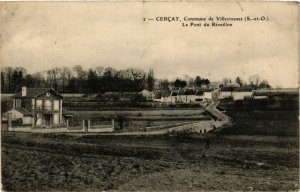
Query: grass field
x,y
141,113
277,123
139,119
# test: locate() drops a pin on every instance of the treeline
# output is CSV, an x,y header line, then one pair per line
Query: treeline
x,y
99,79
78,80
254,81
93,80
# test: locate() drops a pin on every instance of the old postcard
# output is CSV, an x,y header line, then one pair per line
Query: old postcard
x,y
149,96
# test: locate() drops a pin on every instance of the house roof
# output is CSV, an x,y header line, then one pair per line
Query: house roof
x,y
205,89
166,94
24,111
35,92
67,112
189,92
157,95
199,93
145,90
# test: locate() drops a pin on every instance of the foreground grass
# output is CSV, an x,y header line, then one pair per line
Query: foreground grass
x,y
33,162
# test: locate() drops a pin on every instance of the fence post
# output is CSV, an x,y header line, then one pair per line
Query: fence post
x,y
32,122
83,125
67,125
113,123
9,121
88,125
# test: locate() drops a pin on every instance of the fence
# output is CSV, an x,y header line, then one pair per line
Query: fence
x,y
72,125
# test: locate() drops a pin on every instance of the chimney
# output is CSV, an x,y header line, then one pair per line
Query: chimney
x,y
24,91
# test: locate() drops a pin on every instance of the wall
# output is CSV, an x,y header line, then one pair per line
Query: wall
x,y
27,120
199,127
207,95
241,95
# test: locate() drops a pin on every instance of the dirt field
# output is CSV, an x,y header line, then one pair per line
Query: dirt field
x,y
94,163
260,152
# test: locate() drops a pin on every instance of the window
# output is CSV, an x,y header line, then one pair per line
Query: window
x,y
56,105
39,104
48,105
18,103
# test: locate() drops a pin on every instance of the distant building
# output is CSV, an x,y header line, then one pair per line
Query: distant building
x,y
166,97
174,97
204,94
41,105
236,93
157,96
186,96
148,95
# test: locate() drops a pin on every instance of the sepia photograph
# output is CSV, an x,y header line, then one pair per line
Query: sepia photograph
x,y
149,96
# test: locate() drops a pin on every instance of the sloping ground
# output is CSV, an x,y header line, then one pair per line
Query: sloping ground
x,y
58,162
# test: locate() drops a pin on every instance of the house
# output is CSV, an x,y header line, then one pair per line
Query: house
x,y
157,96
236,93
203,94
147,94
42,106
21,116
166,97
241,92
199,96
186,96
174,97
180,96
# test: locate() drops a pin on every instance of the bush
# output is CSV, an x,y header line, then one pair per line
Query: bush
x,y
115,97
138,98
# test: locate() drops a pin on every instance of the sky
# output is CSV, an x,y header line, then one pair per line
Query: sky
x,y
42,35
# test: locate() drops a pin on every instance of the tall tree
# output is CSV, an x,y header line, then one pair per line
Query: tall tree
x,y
239,81
179,83
92,81
197,81
164,84
264,84
225,81
3,83
150,80
254,80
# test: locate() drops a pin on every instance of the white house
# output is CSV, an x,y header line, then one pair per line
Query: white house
x,y
174,97
166,97
186,96
207,95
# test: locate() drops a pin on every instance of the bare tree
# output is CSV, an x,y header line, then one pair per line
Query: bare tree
x,y
225,81
254,80
99,70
